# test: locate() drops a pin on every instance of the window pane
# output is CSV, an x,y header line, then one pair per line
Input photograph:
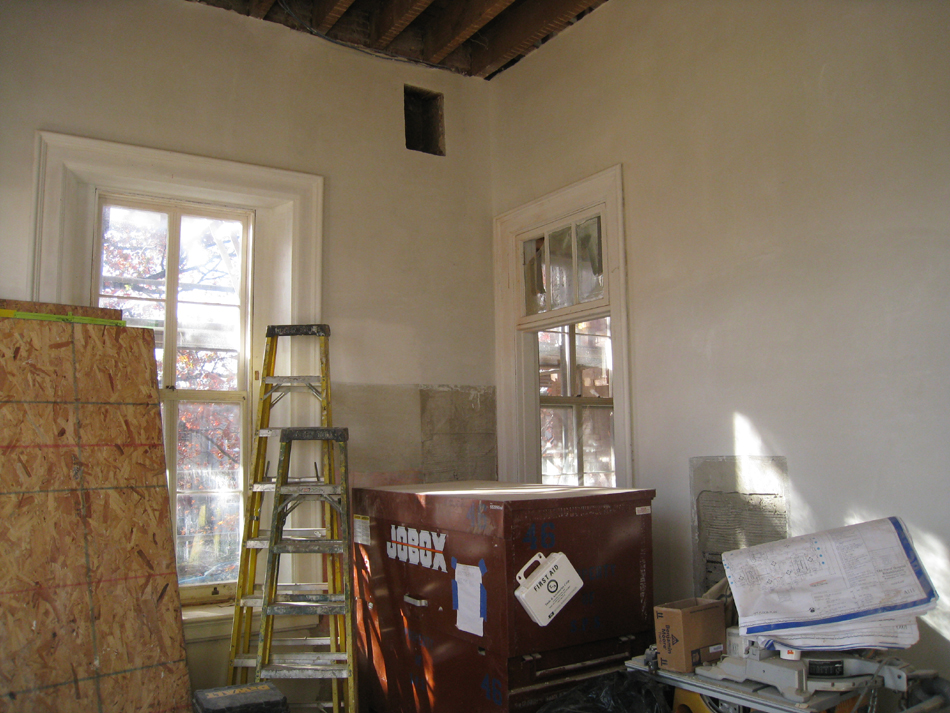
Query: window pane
x,y
208,482
210,261
142,313
209,446
594,362
558,455
534,294
134,251
590,262
598,444
552,360
208,344
562,268
208,544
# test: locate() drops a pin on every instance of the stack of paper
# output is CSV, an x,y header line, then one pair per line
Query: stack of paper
x,y
860,586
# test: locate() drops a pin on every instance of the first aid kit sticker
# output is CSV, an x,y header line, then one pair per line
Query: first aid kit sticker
x,y
545,591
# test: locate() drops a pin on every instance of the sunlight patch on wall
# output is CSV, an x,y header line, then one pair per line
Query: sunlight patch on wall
x,y
748,442
736,502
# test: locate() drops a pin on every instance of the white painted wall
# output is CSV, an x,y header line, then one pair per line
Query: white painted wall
x,y
787,178
787,201
407,256
407,267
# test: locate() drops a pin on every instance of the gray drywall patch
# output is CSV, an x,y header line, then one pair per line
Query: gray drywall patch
x,y
737,501
458,433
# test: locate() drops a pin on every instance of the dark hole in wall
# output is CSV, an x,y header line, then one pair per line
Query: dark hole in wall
x,y
425,129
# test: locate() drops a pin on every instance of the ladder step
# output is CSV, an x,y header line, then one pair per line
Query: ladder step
x,y
263,540
314,434
305,658
310,598
295,487
323,547
308,641
299,596
298,330
300,609
328,670
313,380
256,600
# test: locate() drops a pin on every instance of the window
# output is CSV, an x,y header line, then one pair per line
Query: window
x,y
181,270
73,171
561,354
576,404
563,278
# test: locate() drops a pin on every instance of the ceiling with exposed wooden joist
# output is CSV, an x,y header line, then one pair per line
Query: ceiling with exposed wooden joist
x,y
477,38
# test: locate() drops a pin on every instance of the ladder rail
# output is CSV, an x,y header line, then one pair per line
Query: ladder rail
x,y
247,566
327,537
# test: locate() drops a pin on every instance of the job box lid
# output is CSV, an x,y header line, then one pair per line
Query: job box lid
x,y
488,507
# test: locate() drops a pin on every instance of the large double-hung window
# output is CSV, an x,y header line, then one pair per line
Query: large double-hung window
x,y
181,269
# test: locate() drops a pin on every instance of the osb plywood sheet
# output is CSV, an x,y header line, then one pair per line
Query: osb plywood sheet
x,y
52,308
90,615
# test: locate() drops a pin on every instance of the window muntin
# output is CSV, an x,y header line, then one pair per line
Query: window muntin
x,y
198,307
576,404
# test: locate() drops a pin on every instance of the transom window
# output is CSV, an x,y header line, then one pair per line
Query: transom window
x,y
181,270
564,267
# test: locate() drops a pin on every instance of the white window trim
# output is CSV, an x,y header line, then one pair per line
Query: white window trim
x,y
516,368
69,169
288,224
287,240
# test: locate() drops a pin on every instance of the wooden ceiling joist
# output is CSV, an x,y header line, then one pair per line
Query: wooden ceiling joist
x,y
520,30
394,17
470,37
259,8
326,13
460,21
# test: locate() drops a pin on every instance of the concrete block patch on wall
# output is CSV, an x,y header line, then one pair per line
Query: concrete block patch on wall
x,y
737,501
415,433
458,433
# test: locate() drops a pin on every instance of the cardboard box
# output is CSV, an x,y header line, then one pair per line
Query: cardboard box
x,y
689,633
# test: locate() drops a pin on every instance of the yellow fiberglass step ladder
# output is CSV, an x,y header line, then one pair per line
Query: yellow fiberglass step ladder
x,y
328,589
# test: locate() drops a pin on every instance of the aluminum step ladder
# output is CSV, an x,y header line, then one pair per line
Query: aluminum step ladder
x,y
327,591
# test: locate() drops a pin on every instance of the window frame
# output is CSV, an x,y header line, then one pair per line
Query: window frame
x,y
170,394
288,207
516,358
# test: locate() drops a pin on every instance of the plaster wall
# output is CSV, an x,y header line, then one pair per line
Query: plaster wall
x,y
406,266
786,175
406,252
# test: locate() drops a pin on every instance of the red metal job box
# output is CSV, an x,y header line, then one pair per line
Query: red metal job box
x,y
439,627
